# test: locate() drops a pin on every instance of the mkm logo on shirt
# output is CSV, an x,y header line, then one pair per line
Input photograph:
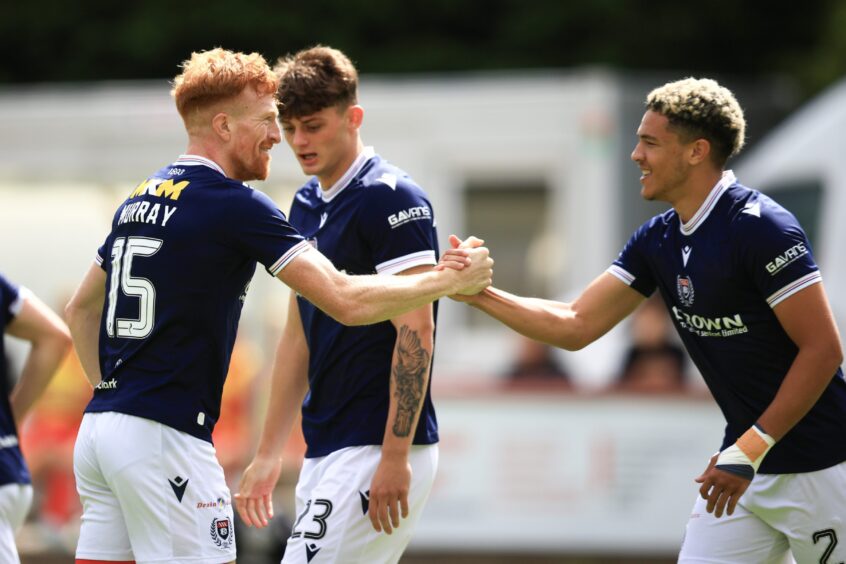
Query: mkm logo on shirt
x,y
159,187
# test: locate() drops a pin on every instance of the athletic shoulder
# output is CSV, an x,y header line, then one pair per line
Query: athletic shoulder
x,y
380,176
308,195
755,217
656,226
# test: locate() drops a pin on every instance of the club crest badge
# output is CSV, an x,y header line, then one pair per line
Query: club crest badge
x,y
221,532
684,285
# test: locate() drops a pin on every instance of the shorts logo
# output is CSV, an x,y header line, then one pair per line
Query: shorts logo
x,y
178,485
221,532
684,285
311,551
365,501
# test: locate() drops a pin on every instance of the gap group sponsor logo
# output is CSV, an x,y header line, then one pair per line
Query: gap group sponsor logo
x,y
220,504
411,214
724,326
787,257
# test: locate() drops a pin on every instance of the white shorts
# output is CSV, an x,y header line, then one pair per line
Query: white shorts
x,y
150,493
332,503
15,501
779,515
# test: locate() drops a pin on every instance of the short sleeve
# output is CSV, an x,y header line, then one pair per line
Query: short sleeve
x,y
262,232
102,252
777,253
632,266
399,226
12,297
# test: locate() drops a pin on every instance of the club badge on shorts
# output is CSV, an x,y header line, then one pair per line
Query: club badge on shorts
x,y
221,532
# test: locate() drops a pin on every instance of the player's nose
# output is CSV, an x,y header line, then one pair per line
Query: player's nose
x,y
637,154
274,133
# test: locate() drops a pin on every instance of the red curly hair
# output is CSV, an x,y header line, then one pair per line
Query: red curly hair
x,y
209,77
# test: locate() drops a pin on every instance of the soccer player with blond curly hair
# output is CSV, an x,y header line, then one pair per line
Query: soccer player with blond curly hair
x,y
738,277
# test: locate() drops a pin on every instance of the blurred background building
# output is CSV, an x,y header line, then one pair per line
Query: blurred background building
x,y
518,119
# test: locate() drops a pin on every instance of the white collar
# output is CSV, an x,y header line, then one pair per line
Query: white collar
x,y
328,194
196,160
708,205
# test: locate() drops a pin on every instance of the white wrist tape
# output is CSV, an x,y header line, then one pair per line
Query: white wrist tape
x,y
745,456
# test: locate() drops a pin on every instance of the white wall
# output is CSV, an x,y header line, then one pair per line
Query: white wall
x,y
811,145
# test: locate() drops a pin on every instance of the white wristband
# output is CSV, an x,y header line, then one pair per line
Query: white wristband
x,y
745,456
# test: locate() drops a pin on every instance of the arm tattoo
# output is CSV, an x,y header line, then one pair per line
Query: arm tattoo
x,y
409,377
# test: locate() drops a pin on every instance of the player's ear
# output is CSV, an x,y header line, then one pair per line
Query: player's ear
x,y
699,151
221,126
355,115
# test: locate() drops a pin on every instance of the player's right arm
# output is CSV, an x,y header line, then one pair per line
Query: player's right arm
x,y
571,326
289,384
363,300
83,314
50,342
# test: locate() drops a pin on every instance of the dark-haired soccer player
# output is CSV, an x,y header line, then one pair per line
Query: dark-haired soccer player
x,y
24,316
737,275
367,413
154,321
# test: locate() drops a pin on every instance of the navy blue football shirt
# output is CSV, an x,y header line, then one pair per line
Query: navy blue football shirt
x,y
375,219
721,274
13,469
179,259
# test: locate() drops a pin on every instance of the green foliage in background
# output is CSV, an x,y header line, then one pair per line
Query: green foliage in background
x,y
55,40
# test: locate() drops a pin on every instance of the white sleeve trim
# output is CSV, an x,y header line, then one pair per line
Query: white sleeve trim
x,y
16,306
283,261
621,273
400,264
98,259
793,287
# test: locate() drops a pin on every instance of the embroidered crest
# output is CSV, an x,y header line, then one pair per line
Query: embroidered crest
x,y
221,532
684,285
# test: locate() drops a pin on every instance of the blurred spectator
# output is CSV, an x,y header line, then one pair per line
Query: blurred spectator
x,y
235,436
47,440
535,363
235,432
655,362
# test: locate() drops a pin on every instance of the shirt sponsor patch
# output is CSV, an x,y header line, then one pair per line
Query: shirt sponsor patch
x,y
411,214
786,258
